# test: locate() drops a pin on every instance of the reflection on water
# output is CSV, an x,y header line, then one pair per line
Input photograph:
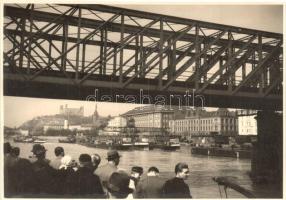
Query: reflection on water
x,y
202,168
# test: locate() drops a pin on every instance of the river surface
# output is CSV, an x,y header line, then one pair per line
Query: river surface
x,y
202,168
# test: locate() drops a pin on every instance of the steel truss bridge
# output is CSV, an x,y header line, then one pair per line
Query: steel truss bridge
x,y
68,51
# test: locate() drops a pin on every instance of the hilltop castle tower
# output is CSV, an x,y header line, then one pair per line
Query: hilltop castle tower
x,y
64,110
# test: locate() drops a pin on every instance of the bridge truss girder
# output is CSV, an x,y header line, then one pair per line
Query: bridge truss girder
x,y
82,44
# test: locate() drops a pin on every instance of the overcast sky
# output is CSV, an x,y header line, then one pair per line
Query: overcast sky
x,y
261,17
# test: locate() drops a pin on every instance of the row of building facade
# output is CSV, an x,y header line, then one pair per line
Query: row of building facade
x,y
185,122
189,122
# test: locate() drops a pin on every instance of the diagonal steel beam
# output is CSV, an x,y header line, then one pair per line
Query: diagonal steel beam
x,y
13,63
26,54
49,65
124,43
36,34
209,64
181,33
109,44
18,45
54,61
179,59
54,46
90,35
235,66
184,54
177,36
229,62
154,65
115,27
172,19
192,60
120,47
278,80
124,64
263,62
131,68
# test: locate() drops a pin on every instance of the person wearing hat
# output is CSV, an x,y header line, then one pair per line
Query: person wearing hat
x,y
104,172
44,175
60,153
39,152
86,184
118,186
8,165
150,186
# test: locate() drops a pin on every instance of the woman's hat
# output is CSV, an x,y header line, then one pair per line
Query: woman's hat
x,y
38,149
112,154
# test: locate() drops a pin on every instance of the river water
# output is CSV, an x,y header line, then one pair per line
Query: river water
x,y
202,168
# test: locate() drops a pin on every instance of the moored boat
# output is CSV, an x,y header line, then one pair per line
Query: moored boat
x,y
167,143
24,139
222,152
118,143
141,143
122,143
68,140
172,144
39,141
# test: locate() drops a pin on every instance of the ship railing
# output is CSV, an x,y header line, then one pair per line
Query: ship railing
x,y
228,182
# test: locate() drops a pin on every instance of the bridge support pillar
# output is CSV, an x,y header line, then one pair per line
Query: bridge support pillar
x,y
267,158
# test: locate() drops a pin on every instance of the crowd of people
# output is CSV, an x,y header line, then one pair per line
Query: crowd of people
x,y
64,177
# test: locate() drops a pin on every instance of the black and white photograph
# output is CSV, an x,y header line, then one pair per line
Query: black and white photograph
x,y
167,100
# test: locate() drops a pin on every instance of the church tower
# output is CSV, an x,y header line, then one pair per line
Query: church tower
x,y
95,115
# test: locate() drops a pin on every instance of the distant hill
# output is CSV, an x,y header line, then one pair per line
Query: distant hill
x,y
7,128
8,131
37,124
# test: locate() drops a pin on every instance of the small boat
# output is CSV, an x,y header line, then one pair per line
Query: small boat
x,y
124,143
68,140
168,144
171,146
221,152
141,144
39,141
24,139
118,143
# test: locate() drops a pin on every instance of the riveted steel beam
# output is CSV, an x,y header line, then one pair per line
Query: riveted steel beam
x,y
235,66
264,61
192,60
114,27
228,62
209,63
176,37
172,19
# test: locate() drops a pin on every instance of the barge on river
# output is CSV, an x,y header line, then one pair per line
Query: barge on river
x,y
222,152
132,142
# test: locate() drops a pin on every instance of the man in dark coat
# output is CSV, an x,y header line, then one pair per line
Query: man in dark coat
x,y
22,175
88,184
150,186
44,175
104,171
176,187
